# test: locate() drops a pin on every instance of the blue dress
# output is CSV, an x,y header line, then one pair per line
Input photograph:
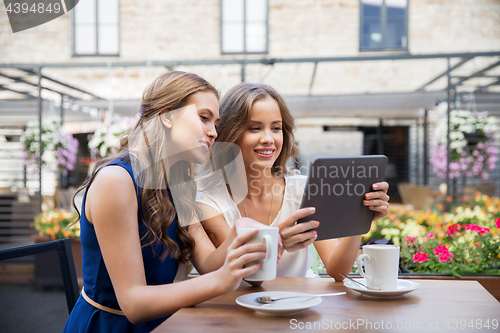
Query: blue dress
x,y
97,284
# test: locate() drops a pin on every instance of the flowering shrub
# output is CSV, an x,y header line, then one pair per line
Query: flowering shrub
x,y
54,223
106,138
471,145
463,241
59,150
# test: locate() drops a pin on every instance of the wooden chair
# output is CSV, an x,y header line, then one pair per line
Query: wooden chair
x,y
419,196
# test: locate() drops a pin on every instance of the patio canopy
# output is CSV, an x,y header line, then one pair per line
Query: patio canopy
x,y
385,106
400,105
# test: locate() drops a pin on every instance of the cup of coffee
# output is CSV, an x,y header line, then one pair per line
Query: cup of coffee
x,y
381,266
270,237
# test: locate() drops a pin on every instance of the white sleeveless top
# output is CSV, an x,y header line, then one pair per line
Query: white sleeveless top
x,y
292,264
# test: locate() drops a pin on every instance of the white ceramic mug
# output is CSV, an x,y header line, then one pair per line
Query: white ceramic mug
x,y
269,236
381,266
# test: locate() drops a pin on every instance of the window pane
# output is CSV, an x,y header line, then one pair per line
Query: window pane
x,y
371,35
371,8
107,11
396,8
256,37
108,39
85,12
85,39
256,10
232,37
232,10
396,33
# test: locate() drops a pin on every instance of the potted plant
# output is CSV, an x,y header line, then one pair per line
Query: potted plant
x,y
51,225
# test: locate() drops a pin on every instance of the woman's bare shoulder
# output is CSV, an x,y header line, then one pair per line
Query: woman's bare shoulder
x,y
111,185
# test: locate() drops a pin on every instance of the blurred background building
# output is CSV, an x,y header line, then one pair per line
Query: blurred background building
x,y
349,76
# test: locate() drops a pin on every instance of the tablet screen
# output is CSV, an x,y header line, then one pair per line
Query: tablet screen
x,y
336,187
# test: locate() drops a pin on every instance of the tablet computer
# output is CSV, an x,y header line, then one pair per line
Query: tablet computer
x,y
336,187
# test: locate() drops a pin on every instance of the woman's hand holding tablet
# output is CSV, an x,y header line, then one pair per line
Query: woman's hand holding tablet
x,y
338,187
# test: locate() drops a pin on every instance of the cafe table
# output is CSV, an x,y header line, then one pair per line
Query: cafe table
x,y
437,306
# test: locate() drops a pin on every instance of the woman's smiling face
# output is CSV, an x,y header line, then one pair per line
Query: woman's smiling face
x,y
262,140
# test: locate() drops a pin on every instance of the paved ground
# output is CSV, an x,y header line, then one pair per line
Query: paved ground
x,y
23,309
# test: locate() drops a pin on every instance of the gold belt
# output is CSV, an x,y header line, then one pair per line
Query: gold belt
x,y
101,307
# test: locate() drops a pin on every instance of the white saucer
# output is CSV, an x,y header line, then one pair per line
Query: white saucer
x,y
279,308
404,287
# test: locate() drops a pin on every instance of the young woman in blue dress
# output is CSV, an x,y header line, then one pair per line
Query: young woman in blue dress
x,y
255,117
132,240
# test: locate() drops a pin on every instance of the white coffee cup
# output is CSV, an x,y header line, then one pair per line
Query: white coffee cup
x,y
269,236
381,266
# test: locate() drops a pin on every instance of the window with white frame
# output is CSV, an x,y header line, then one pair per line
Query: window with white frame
x,y
383,25
244,26
96,28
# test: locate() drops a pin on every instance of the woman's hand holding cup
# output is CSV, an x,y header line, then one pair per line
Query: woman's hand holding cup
x,y
242,260
269,237
246,222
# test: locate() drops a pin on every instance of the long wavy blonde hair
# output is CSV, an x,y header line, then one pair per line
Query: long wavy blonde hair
x,y
144,145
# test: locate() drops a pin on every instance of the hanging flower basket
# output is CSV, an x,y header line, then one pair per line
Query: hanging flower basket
x,y
106,138
472,151
59,149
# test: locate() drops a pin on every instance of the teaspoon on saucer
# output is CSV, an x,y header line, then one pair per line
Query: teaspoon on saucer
x,y
269,299
372,288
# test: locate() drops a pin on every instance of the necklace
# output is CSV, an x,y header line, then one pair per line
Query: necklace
x,y
272,199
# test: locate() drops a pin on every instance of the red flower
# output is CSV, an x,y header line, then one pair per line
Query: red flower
x,y
440,250
420,257
476,228
445,256
411,240
483,230
497,223
477,245
471,227
452,229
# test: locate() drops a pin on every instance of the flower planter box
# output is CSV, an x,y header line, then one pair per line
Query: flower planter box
x,y
489,282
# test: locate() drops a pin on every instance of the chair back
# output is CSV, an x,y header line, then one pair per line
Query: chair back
x,y
38,287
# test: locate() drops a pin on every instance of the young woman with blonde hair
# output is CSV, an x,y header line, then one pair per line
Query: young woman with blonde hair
x,y
133,237
255,117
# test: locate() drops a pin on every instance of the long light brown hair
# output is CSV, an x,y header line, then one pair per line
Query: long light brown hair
x,y
234,114
168,92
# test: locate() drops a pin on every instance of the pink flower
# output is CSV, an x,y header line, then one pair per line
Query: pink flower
x,y
420,257
440,250
411,240
497,223
452,229
477,245
471,227
431,235
445,257
476,228
483,230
